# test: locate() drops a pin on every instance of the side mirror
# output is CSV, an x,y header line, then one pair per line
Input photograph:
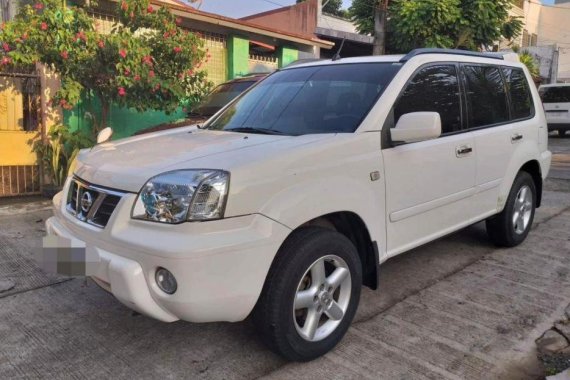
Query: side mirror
x,y
417,126
104,135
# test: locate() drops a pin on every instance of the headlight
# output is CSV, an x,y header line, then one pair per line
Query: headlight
x,y
183,195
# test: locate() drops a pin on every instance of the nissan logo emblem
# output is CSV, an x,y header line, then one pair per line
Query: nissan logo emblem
x,y
86,202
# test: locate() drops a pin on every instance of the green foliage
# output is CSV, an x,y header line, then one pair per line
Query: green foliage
x,y
57,152
362,13
143,63
197,88
468,24
528,60
332,7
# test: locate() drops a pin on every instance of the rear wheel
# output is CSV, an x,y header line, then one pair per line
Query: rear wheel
x,y
311,294
512,225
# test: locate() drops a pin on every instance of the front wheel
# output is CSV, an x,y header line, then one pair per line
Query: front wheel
x,y
512,225
311,294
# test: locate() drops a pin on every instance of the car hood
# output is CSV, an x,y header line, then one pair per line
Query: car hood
x,y
128,163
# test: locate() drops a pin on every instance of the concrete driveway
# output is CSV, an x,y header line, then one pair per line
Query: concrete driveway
x,y
457,308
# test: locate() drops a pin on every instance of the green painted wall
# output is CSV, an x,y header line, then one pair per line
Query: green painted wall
x,y
124,121
238,56
286,56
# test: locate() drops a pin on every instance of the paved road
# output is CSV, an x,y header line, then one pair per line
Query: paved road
x,y
455,308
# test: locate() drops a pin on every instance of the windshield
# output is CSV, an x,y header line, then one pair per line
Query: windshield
x,y
555,94
222,95
307,100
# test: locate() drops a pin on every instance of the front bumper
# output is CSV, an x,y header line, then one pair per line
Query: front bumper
x,y
220,266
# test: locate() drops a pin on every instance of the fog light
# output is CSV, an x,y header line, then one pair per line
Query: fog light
x,y
166,281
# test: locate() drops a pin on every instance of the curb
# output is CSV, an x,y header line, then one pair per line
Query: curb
x,y
25,208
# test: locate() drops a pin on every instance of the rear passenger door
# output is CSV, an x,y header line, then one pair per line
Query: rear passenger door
x,y
489,97
429,184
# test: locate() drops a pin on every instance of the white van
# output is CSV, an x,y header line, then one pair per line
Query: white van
x,y
556,101
287,201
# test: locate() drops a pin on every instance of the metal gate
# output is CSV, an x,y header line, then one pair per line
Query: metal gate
x,y
19,122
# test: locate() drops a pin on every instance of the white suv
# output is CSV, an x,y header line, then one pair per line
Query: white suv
x,y
288,200
556,101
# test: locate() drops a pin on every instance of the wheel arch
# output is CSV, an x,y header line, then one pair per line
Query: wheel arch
x,y
354,228
532,167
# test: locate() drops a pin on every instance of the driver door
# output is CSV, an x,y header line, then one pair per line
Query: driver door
x,y
429,184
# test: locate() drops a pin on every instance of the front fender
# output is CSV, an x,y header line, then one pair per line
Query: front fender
x,y
309,199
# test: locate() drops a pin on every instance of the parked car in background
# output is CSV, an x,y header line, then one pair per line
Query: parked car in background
x,y
285,203
215,101
556,101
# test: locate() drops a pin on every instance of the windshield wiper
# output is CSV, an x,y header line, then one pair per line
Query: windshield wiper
x,y
263,131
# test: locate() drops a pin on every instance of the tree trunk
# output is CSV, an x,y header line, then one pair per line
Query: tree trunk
x,y
105,106
380,11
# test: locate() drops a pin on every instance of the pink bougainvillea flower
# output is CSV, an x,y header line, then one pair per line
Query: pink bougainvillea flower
x,y
5,61
132,15
177,49
124,6
166,35
147,60
64,54
151,74
38,6
101,44
6,47
137,77
123,53
43,26
81,36
150,9
127,72
122,91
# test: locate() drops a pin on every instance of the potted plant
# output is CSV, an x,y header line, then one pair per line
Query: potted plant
x,y
56,153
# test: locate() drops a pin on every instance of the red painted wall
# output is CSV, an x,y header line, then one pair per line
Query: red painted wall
x,y
300,18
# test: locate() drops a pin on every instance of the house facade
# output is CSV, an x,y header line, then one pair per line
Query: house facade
x,y
308,19
236,47
546,35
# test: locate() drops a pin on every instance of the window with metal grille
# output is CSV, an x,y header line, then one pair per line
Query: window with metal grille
x,y
19,102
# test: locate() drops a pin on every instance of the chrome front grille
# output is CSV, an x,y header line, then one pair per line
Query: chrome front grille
x,y
92,204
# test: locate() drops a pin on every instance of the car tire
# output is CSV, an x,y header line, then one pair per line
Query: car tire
x,y
512,225
296,280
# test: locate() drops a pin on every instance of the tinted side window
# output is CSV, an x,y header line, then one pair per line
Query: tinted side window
x,y
433,89
521,99
486,96
555,94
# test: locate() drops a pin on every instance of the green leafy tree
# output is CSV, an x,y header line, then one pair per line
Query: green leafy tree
x,y
144,63
468,24
530,62
333,7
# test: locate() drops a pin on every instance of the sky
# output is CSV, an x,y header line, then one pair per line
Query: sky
x,y
241,8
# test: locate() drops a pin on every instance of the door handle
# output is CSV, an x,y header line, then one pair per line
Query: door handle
x,y
516,137
463,150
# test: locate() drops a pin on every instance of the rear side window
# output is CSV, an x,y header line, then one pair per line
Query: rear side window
x,y
522,105
486,96
555,94
433,89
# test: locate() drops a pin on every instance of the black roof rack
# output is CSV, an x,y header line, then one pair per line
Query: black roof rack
x,y
468,53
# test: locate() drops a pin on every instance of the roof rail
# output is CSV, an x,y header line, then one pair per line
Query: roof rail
x,y
468,53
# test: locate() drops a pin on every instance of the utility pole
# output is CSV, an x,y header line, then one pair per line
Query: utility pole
x,y
554,65
380,20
